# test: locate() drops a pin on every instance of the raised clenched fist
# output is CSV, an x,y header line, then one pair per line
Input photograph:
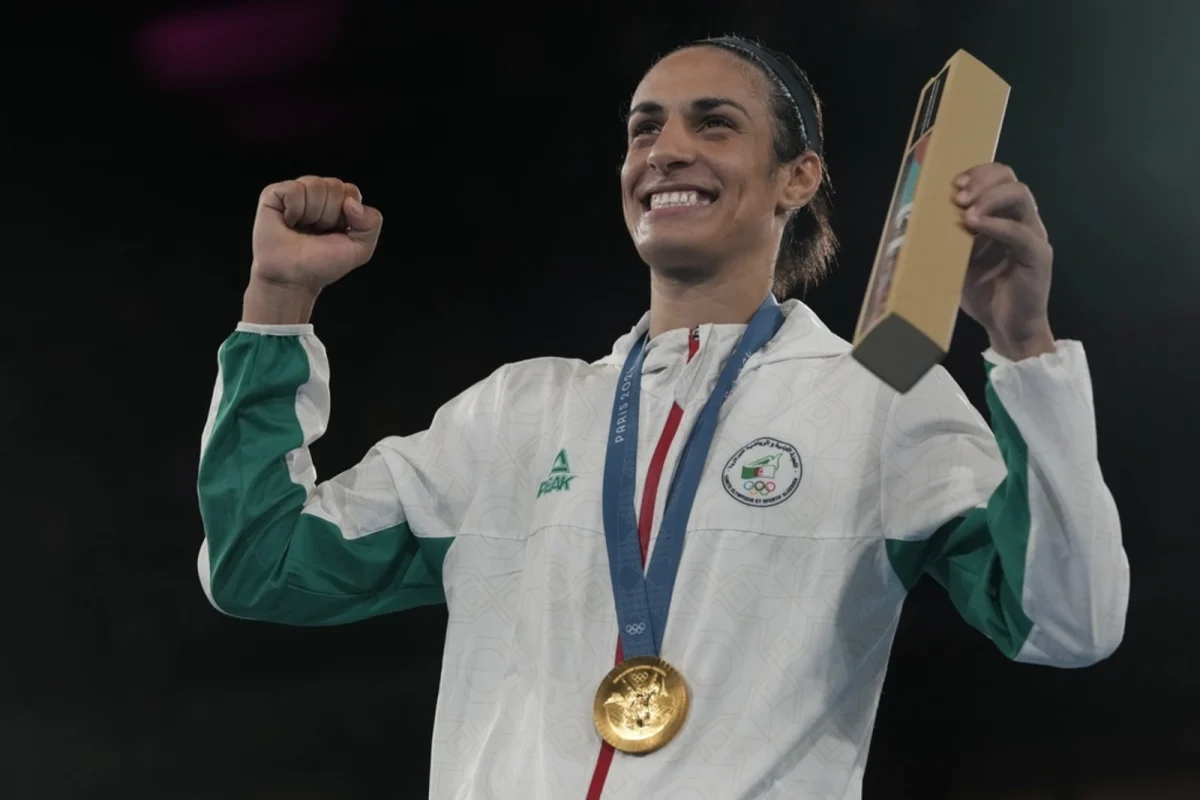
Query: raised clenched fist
x,y
310,232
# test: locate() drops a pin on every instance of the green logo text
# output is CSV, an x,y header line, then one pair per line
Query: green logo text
x,y
560,476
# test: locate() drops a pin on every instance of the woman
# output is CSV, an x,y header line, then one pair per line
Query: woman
x,y
728,500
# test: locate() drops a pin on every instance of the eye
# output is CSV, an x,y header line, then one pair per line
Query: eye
x,y
643,128
717,120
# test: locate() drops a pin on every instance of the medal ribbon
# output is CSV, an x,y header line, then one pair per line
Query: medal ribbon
x,y
643,599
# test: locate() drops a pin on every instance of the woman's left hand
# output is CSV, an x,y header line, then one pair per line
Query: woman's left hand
x,y
1007,288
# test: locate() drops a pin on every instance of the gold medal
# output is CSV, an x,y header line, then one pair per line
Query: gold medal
x,y
640,705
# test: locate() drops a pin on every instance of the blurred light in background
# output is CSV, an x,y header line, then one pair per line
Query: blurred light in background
x,y
251,70
214,47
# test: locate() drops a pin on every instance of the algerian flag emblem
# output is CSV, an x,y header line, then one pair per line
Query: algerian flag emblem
x,y
765,467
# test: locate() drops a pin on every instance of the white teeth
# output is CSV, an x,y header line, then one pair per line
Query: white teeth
x,y
688,198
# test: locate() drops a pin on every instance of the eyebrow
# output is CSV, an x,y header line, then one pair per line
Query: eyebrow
x,y
699,105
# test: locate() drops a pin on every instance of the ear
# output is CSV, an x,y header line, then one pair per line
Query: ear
x,y
800,180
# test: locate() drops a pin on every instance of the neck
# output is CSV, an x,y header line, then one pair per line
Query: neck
x,y
728,298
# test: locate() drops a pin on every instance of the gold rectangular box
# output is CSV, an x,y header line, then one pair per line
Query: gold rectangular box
x,y
912,301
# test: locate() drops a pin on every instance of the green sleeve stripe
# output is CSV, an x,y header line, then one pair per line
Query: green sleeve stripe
x,y
979,558
269,559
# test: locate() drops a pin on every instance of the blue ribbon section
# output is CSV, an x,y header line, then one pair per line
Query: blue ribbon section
x,y
643,598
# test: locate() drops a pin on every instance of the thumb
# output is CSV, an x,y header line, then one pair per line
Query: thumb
x,y
362,222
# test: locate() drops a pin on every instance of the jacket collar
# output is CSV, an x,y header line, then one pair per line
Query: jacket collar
x,y
803,335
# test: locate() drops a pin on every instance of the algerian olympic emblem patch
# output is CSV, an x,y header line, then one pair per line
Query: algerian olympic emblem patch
x,y
763,473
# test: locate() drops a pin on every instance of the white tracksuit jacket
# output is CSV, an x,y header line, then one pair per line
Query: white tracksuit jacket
x,y
825,497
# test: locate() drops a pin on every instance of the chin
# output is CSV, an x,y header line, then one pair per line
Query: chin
x,y
679,246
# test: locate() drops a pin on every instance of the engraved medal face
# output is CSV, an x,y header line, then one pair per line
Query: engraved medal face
x,y
640,705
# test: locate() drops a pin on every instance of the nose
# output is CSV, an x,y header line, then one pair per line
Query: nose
x,y
673,147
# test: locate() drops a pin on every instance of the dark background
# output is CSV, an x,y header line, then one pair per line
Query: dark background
x,y
136,141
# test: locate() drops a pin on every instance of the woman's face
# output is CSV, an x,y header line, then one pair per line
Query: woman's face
x,y
699,185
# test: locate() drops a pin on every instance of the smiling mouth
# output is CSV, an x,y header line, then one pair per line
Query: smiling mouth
x,y
690,198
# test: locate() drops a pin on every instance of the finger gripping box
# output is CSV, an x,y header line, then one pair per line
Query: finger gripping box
x,y
912,300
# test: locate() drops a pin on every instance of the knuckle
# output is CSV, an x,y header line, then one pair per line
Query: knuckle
x,y
275,188
1027,195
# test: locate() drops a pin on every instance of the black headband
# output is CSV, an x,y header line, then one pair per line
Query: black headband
x,y
793,86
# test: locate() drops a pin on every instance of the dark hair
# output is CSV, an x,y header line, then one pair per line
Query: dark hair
x,y
808,243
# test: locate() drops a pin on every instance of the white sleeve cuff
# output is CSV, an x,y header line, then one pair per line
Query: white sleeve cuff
x,y
275,330
1049,397
1064,348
